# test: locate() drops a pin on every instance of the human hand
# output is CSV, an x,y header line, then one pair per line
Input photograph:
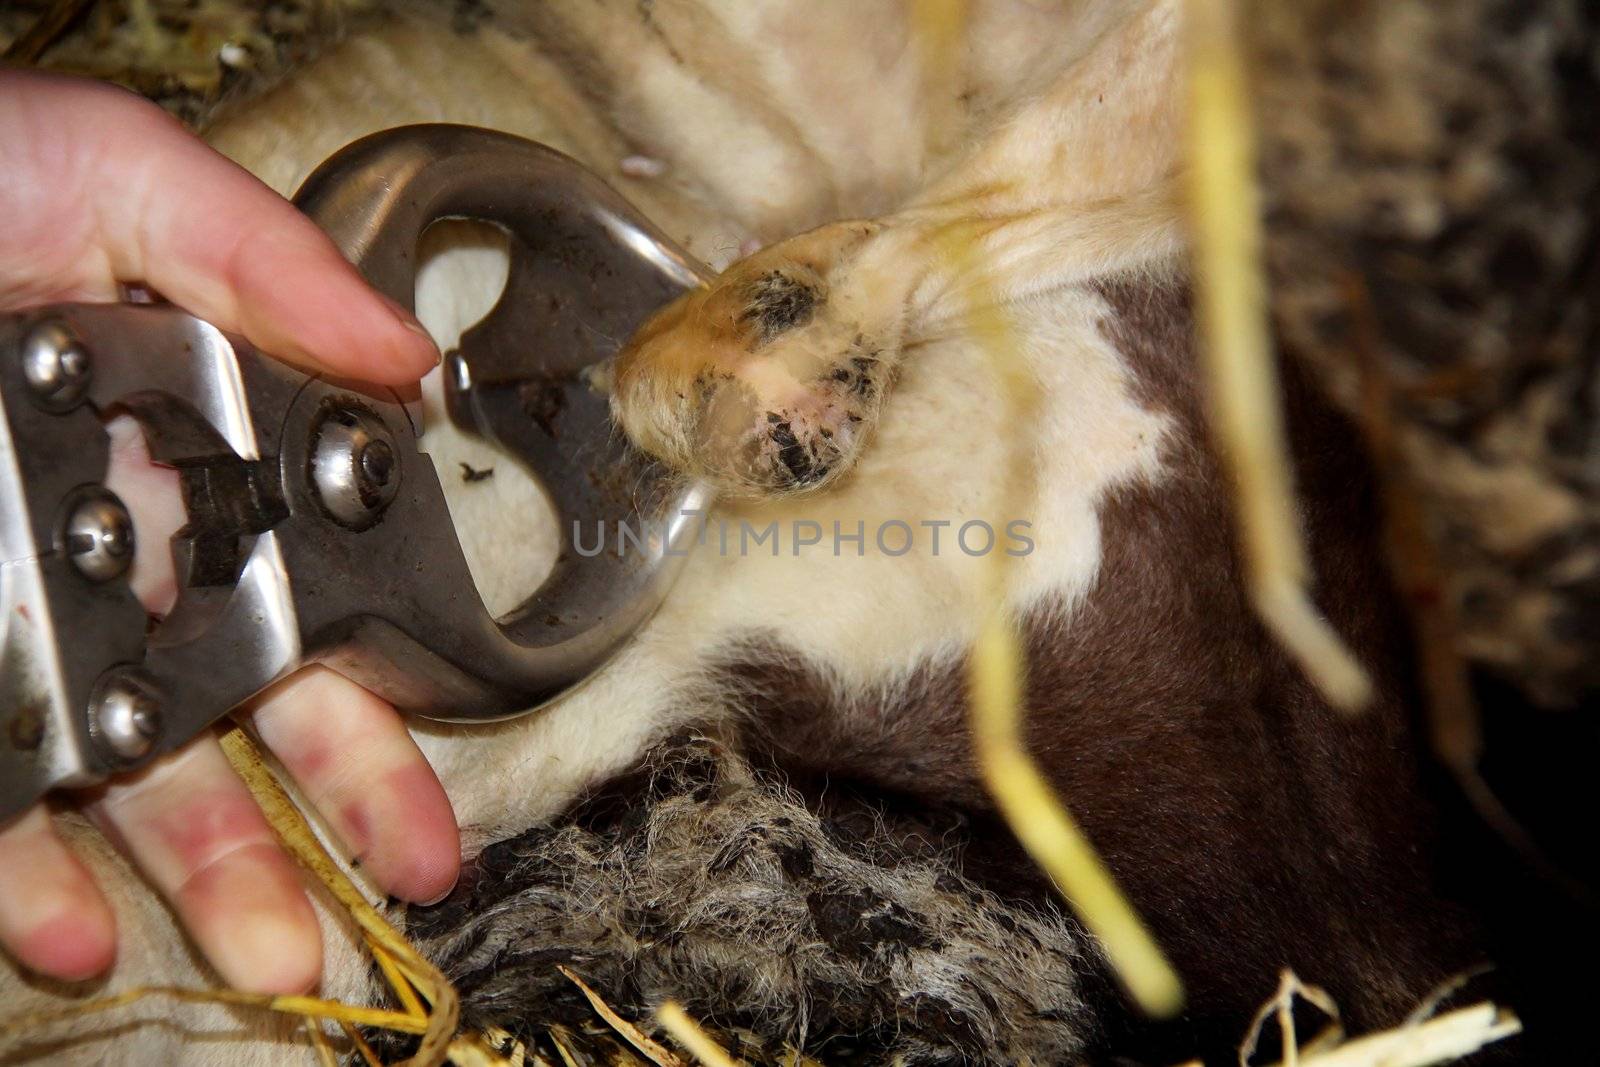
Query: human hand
x,y
99,189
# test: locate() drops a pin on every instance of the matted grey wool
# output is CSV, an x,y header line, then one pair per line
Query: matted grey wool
x,y
701,880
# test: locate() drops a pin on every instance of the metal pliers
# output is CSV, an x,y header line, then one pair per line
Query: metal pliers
x,y
317,532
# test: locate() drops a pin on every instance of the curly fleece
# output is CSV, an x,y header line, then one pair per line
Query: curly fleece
x,y
719,887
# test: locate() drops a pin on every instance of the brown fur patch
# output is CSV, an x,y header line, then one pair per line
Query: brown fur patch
x,y
1253,827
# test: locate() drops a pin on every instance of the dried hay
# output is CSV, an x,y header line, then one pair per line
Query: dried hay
x,y
184,54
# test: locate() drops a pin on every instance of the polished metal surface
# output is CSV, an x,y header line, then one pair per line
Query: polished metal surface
x,y
586,270
98,535
125,715
317,531
353,465
55,365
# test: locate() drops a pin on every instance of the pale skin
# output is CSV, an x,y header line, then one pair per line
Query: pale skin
x,y
98,190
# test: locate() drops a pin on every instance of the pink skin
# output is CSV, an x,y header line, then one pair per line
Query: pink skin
x,y
101,189
372,784
63,947
51,914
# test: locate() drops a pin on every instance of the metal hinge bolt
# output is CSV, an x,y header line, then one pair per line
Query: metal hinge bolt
x,y
55,365
126,715
99,536
354,468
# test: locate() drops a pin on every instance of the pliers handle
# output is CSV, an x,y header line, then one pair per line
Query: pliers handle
x,y
317,531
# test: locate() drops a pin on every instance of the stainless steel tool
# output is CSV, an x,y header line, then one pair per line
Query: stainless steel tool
x,y
317,532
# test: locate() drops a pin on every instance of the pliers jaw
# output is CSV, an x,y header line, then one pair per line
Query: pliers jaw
x,y
317,530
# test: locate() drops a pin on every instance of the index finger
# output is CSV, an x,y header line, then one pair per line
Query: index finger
x,y
95,165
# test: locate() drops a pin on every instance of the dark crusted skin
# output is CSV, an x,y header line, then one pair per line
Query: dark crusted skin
x,y
776,303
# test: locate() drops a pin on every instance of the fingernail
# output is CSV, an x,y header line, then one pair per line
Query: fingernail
x,y
405,318
434,356
72,947
269,953
451,888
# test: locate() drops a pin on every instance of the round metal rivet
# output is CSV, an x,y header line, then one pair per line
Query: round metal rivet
x,y
55,365
377,463
126,715
99,536
354,468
